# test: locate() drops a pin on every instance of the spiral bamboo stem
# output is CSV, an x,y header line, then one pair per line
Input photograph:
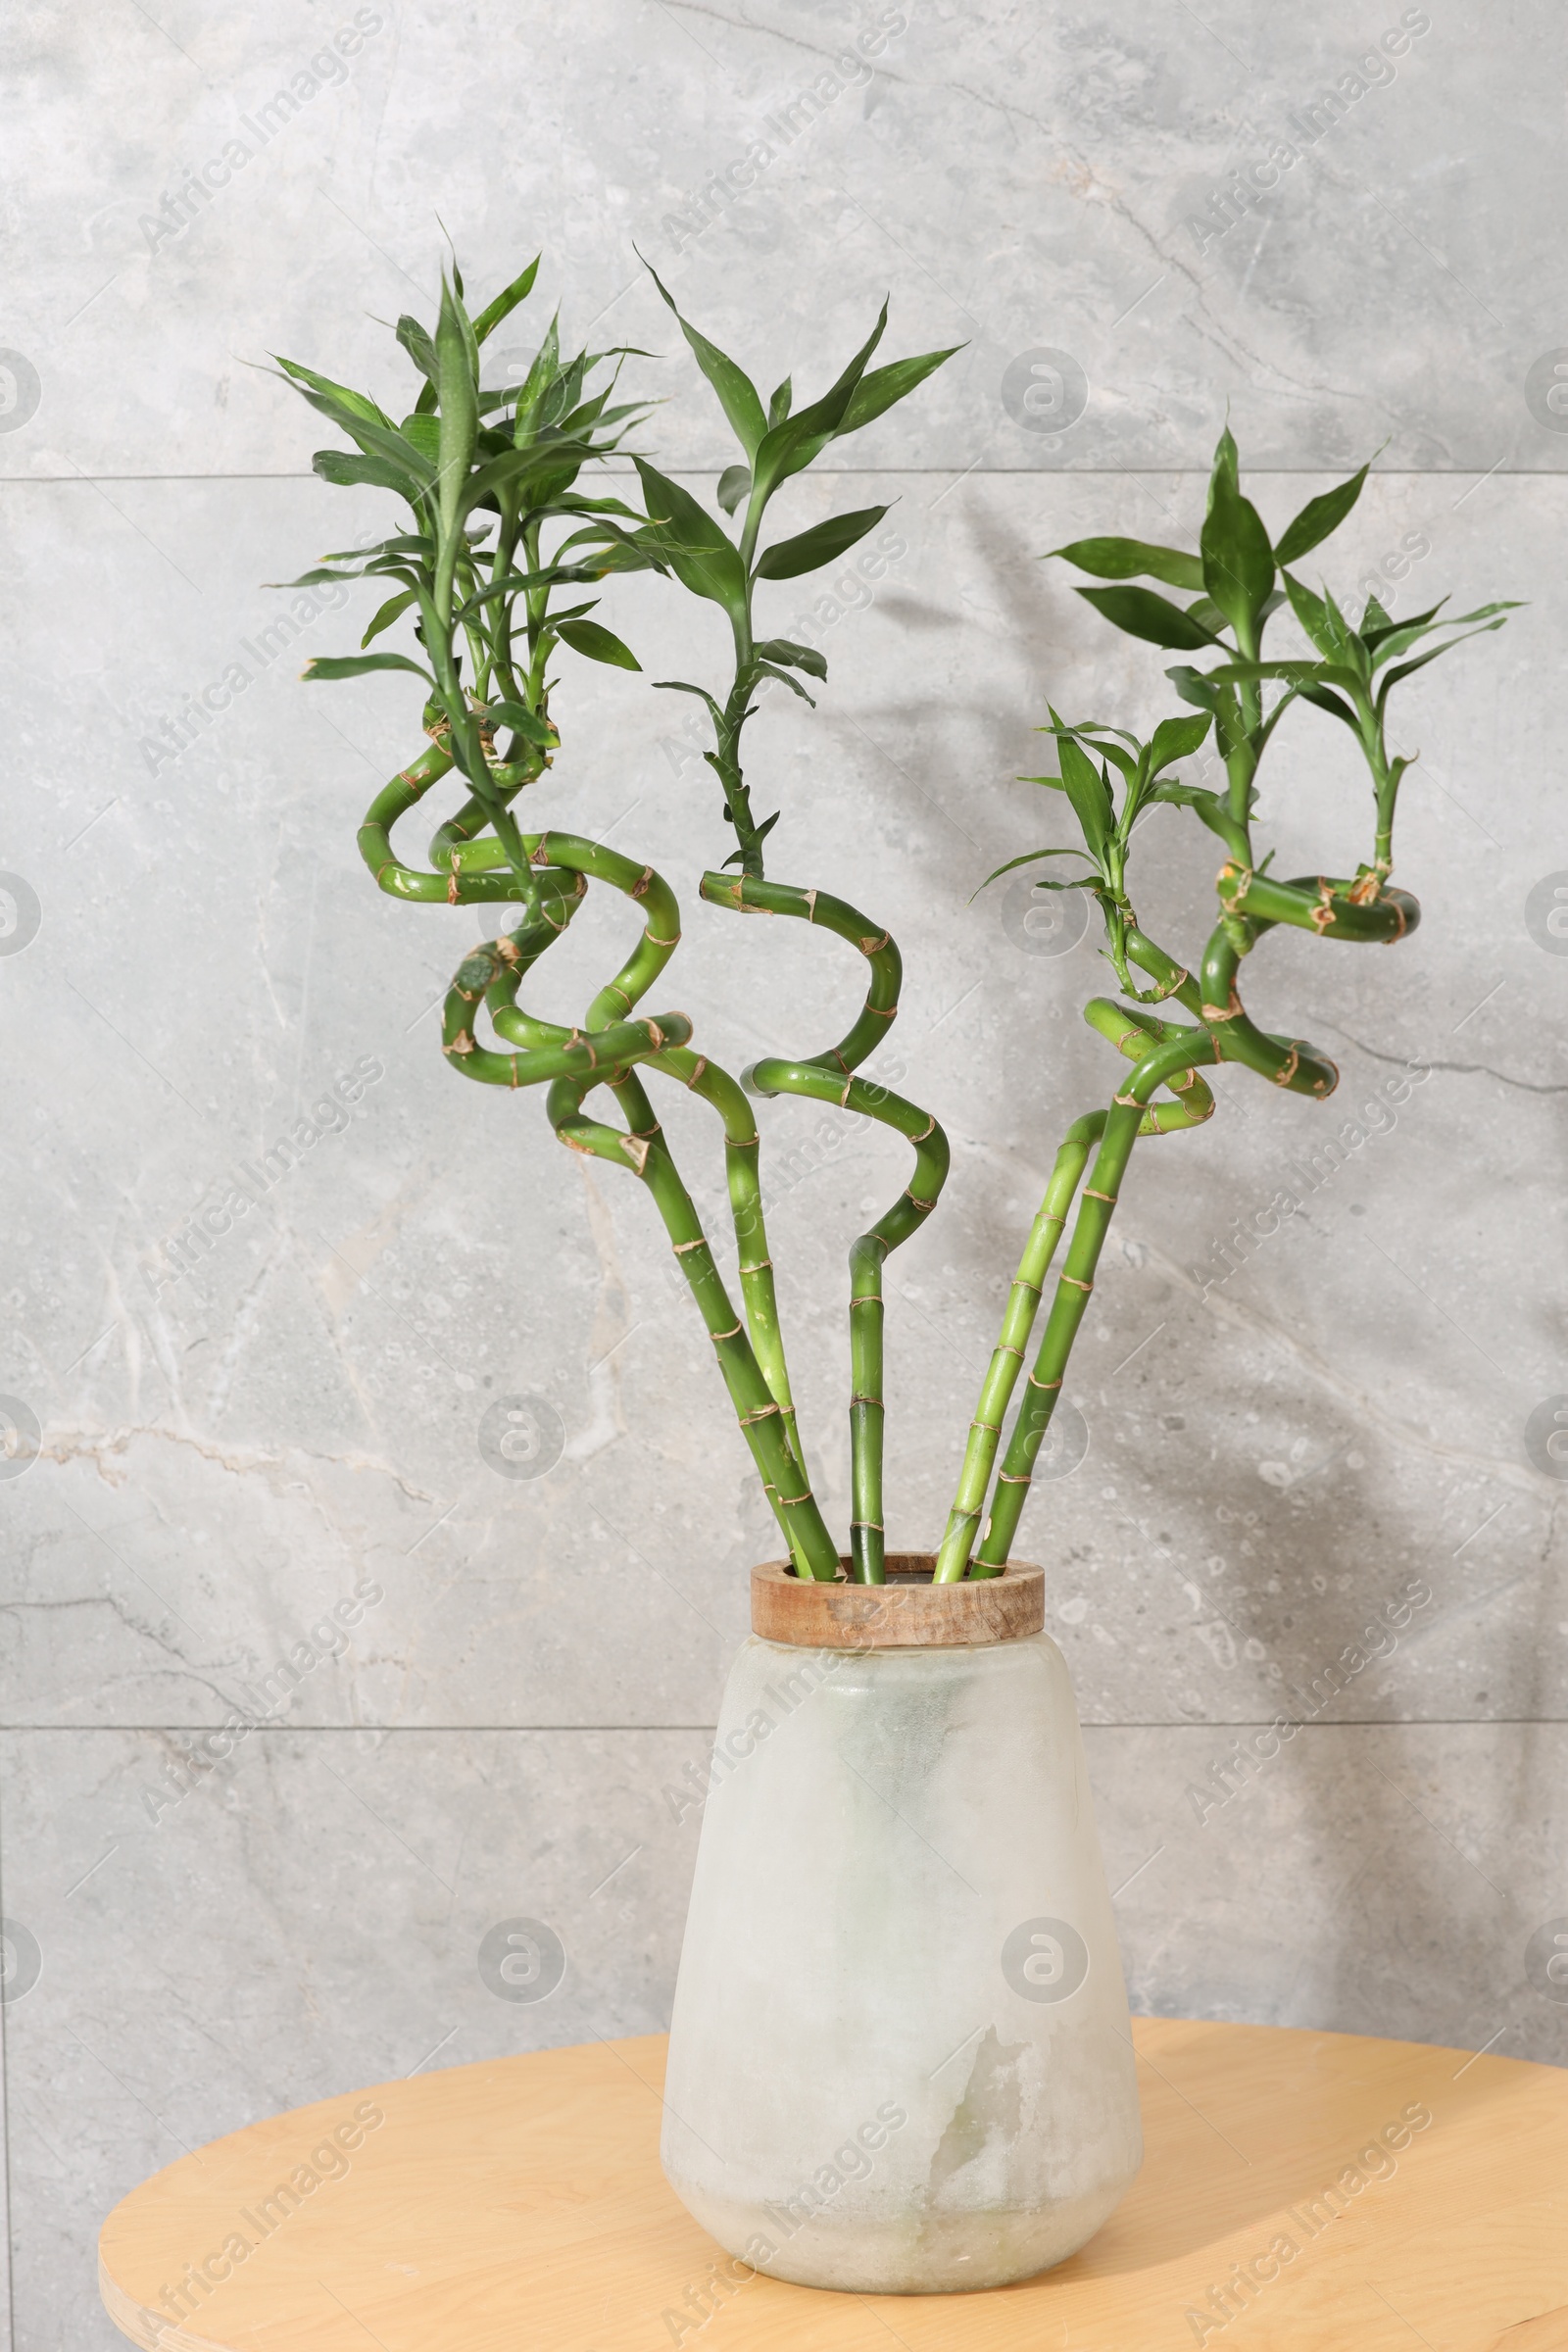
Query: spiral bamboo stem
x,y
1166,1054
827,1077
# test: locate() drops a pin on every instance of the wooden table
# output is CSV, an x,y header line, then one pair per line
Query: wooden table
x,y
517,2206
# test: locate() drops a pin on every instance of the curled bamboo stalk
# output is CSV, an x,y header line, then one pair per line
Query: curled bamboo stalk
x,y
827,1077
604,1053
868,1255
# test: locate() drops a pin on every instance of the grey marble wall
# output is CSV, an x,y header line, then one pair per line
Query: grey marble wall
x,y
1344,222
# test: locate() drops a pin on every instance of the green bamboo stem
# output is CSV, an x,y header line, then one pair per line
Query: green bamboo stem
x,y
593,1054
1251,904
1157,1066
1007,1360
496,974
867,1253
1131,1031
826,1077
742,1151
747,894
759,1412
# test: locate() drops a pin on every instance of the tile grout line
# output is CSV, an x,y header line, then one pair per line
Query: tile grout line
x,y
1087,1722
1441,473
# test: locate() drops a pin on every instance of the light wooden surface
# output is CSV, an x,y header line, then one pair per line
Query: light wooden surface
x,y
517,2206
815,1615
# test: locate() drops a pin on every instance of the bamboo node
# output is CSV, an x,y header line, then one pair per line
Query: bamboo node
x,y
681,1247
921,1206
539,854
700,1067
654,941
1288,1067
1004,1350
462,1043
640,886
1084,1286
1013,1478
1044,1383
763,1412
929,1128
1090,1193
719,1336
1128,1101
873,946
636,1152
882,1012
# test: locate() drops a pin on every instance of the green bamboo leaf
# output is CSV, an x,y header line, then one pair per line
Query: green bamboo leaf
x,y
1032,857
683,686
778,407
1402,635
389,613
314,578
1128,559
1322,699
737,394
734,484
1409,668
1238,560
1210,806
692,543
877,392
354,404
1295,674
1195,687
506,302
794,657
324,668
822,544
458,390
416,341
1176,739
1143,613
1318,518
598,644
790,446
523,721
1089,793
757,668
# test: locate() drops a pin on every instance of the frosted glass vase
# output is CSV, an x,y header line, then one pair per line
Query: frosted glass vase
x,y
900,2059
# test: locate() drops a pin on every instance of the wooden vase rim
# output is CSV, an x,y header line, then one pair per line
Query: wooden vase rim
x,y
908,1612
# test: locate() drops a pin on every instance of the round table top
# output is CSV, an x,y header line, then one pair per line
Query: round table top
x,y
1308,2190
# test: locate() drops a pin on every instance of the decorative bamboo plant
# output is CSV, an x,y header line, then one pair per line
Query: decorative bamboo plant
x,y
502,464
